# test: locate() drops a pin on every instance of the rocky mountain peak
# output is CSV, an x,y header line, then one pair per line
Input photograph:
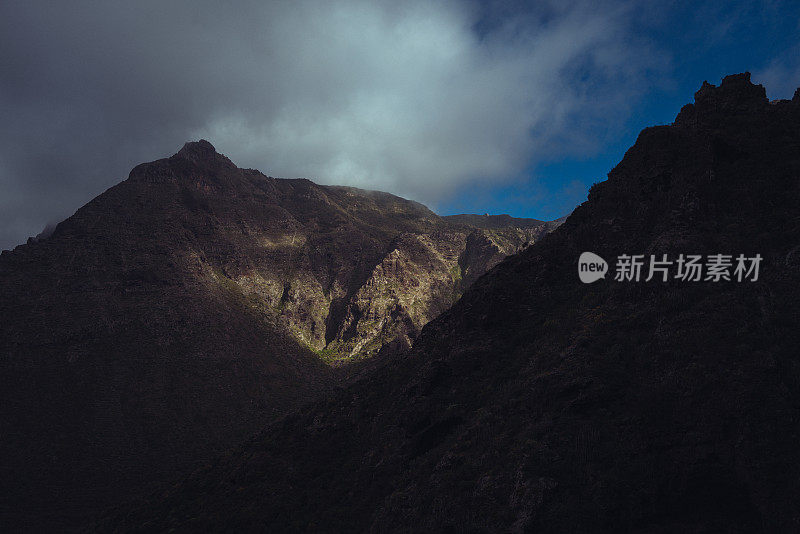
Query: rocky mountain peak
x,y
735,95
201,147
735,90
201,153
194,159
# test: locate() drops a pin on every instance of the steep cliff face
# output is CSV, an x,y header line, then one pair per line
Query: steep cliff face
x,y
538,403
419,278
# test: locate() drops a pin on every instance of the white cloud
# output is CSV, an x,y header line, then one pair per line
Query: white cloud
x,y
405,97
412,101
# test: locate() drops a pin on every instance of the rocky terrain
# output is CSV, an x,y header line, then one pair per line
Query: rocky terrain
x,y
186,307
541,404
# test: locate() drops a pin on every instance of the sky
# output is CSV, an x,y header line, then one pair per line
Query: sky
x,y
469,106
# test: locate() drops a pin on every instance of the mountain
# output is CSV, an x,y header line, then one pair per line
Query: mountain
x,y
191,304
538,403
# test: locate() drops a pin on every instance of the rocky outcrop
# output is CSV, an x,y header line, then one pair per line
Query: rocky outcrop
x,y
421,276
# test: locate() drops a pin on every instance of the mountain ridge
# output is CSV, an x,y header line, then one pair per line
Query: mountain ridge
x,y
181,309
200,173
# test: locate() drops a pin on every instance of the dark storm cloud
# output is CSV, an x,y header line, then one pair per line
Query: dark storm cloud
x,y
416,98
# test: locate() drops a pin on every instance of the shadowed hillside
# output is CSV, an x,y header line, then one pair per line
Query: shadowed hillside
x,y
193,303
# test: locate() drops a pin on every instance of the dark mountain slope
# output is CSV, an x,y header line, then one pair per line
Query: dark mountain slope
x,y
540,404
123,358
191,304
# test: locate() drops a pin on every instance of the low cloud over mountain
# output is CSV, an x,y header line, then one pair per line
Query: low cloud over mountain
x,y
417,99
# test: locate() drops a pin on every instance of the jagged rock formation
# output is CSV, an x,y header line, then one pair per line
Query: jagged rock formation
x,y
189,305
541,404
